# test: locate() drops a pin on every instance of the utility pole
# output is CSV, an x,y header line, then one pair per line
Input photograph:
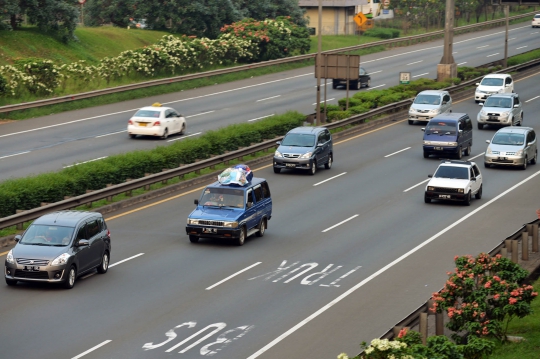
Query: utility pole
x,y
447,68
319,60
506,14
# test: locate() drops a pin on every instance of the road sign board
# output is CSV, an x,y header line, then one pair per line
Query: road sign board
x,y
360,18
404,78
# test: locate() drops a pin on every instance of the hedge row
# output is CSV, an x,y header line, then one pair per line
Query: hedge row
x,y
30,192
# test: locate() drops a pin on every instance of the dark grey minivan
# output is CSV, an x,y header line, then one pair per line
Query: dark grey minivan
x,y
59,247
305,148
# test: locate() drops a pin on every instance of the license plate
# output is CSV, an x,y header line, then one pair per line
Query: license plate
x,y
493,118
290,165
446,196
142,124
209,230
502,158
31,268
439,148
422,118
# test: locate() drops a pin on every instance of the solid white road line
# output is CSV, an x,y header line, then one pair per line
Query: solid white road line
x,y
534,98
374,72
416,62
427,73
92,349
268,98
112,133
16,154
233,275
374,87
202,113
328,179
330,99
340,223
463,63
492,55
479,47
80,163
258,118
383,269
405,149
125,260
181,138
521,47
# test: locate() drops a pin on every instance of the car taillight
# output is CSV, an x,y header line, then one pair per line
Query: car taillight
x,y
108,233
157,123
130,122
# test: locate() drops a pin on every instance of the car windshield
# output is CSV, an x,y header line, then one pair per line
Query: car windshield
x,y
511,139
441,128
223,197
147,113
490,81
498,102
299,140
452,172
44,235
427,100
363,71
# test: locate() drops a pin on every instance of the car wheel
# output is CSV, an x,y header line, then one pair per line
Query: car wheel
x,y
11,282
468,150
411,122
535,158
193,239
521,119
358,85
524,166
468,199
242,237
131,135
426,199
426,154
70,280
313,168
334,84
262,228
368,83
487,165
459,153
277,170
104,265
183,130
165,134
480,126
328,164
478,194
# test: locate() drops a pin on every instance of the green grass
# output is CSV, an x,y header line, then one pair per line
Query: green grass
x,y
528,328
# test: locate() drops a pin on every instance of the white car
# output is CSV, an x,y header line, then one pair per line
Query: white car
x,y
454,181
156,120
536,21
492,84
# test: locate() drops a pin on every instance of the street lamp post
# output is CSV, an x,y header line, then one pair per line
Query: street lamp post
x,y
447,68
319,60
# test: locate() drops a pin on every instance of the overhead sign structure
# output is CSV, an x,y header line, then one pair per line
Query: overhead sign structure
x,y
338,66
360,19
404,78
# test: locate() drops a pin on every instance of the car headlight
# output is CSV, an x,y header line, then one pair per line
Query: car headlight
x,y
480,91
10,258
412,110
489,151
452,144
435,110
192,221
505,114
278,154
231,224
61,259
427,143
461,190
306,155
483,113
519,153
431,188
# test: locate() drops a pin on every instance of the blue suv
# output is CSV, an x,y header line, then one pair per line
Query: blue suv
x,y
231,212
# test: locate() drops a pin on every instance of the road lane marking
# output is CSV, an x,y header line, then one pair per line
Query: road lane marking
x,y
479,47
340,223
80,163
405,149
463,63
233,275
492,55
382,270
199,114
374,87
180,138
374,72
4,253
112,133
426,73
521,47
16,154
534,98
92,349
259,118
416,62
125,260
330,99
328,179
268,98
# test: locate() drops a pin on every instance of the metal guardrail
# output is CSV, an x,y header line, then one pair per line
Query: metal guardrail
x,y
390,42
120,188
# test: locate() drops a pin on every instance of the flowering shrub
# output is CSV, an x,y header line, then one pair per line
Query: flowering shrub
x,y
43,73
483,295
384,348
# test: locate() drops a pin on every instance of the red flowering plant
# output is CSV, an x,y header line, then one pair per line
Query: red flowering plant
x,y
270,39
483,295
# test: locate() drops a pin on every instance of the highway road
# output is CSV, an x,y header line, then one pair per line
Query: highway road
x,y
347,254
50,143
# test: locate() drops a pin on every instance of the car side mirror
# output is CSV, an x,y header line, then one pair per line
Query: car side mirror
x,y
516,105
83,243
249,204
460,132
430,176
278,143
477,84
17,237
444,102
423,129
473,179
481,103
196,201
488,141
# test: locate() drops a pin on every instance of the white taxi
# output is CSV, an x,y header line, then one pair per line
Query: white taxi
x,y
156,120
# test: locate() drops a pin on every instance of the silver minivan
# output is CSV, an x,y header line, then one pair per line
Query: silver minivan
x,y
502,109
428,104
512,146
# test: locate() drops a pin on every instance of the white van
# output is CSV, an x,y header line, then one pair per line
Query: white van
x,y
492,84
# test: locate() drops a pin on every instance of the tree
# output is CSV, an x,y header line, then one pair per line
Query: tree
x,y
271,9
116,12
10,8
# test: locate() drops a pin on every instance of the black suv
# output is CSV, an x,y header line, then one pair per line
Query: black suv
x,y
59,247
305,148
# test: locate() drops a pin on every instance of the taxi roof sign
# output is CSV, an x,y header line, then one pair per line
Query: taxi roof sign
x,y
156,104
